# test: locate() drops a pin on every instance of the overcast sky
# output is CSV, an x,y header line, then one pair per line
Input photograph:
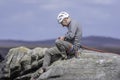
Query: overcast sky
x,y
36,19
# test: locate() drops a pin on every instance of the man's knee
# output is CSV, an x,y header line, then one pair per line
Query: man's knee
x,y
60,45
47,56
47,52
58,41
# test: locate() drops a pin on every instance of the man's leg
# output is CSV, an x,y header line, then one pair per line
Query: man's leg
x,y
66,46
46,62
63,45
48,54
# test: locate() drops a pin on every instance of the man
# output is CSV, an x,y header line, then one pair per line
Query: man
x,y
65,45
71,41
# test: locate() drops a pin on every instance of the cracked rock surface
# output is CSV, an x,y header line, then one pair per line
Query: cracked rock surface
x,y
21,63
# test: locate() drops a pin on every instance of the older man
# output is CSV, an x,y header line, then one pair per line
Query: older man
x,y
67,44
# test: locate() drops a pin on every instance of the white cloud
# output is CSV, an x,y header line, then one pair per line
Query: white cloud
x,y
30,1
48,4
20,17
93,16
56,4
103,2
99,14
3,2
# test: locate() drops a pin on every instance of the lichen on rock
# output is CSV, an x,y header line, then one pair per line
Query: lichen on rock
x,y
21,63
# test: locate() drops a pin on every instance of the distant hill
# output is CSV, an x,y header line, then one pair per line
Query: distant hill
x,y
90,41
16,43
103,43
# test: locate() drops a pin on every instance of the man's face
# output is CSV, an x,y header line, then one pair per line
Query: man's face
x,y
64,22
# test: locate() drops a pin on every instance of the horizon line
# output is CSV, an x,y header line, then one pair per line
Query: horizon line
x,y
54,39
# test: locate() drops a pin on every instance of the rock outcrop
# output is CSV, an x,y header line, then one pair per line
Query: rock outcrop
x,y
1,58
21,63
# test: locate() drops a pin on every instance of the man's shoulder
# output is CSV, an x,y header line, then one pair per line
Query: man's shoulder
x,y
74,22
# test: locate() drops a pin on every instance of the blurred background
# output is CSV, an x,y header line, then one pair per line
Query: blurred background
x,y
33,23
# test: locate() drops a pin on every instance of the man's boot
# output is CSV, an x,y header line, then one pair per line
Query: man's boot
x,y
77,55
37,74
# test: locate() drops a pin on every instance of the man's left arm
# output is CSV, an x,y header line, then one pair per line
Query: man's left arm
x,y
71,33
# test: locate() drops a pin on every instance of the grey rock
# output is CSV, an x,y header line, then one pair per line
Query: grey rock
x,y
52,73
19,61
91,66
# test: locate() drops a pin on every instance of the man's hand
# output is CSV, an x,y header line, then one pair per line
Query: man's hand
x,y
62,38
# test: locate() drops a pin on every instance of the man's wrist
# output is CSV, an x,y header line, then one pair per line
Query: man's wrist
x,y
65,38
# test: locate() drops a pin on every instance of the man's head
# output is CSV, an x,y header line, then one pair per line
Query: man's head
x,y
63,18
